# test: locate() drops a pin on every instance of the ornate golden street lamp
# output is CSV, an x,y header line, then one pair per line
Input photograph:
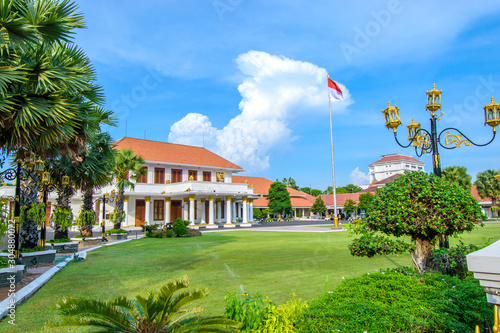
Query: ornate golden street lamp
x,y
426,142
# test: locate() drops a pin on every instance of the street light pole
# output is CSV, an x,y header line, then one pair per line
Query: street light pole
x,y
426,142
105,198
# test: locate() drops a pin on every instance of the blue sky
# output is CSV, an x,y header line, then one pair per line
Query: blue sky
x,y
247,79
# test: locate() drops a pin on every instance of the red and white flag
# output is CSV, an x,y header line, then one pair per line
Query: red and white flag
x,y
334,90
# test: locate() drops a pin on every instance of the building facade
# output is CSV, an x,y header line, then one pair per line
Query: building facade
x,y
393,164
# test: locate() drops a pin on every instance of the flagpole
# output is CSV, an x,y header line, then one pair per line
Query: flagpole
x,y
333,160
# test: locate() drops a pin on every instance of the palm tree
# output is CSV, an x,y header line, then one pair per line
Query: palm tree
x,y
126,162
459,176
488,186
92,170
46,84
154,314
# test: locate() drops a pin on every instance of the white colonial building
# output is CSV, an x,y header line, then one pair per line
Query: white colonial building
x,y
393,164
186,182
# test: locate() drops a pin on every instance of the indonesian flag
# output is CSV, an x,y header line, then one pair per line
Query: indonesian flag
x,y
335,91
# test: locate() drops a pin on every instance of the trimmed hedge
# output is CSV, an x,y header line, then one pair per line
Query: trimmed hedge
x,y
395,302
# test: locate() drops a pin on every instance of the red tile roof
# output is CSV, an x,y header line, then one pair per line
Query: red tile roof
x,y
385,180
174,153
261,185
341,198
395,157
475,194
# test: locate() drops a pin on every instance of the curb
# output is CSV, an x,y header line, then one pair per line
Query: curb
x,y
27,291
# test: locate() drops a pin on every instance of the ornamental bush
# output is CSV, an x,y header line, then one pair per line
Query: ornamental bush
x,y
179,227
421,206
394,302
452,261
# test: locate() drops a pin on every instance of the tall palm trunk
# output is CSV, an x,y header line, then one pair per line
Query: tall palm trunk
x,y
119,209
86,228
28,235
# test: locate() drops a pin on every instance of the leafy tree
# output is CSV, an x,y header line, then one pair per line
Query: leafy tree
x,y
351,188
128,165
315,192
290,182
279,198
318,206
350,206
329,190
419,205
267,212
459,176
365,200
488,186
341,190
258,214
158,313
306,190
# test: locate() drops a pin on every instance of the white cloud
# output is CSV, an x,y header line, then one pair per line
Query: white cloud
x,y
274,90
359,178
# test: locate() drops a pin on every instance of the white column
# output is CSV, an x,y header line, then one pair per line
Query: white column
x,y
211,217
185,209
245,223
168,205
250,209
191,212
149,220
233,210
218,210
203,222
228,213
125,210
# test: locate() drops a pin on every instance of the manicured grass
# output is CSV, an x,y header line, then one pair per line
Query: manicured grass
x,y
275,264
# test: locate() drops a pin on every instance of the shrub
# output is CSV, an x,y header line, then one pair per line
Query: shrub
x,y
452,261
248,311
179,227
116,231
60,240
149,228
394,302
193,233
4,262
282,318
169,233
155,234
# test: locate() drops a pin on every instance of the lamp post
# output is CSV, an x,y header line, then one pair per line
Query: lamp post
x,y
105,199
20,174
426,142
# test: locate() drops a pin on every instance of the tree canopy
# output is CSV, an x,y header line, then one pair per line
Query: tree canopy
x,y
318,205
350,206
279,198
458,175
488,186
365,200
419,205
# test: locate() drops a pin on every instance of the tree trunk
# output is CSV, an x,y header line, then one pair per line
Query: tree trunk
x,y
28,235
60,233
119,209
86,229
420,254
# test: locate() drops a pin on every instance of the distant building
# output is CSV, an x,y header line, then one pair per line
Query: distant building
x,y
393,164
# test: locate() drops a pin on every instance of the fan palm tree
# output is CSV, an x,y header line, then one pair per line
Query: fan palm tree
x,y
92,170
459,176
46,84
156,313
488,186
128,165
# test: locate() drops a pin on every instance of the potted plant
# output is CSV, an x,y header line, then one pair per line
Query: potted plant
x,y
62,218
116,233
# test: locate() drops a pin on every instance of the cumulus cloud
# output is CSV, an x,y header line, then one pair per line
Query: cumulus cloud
x,y
359,178
274,90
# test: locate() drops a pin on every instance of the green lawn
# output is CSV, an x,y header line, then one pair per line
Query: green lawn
x,y
275,264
